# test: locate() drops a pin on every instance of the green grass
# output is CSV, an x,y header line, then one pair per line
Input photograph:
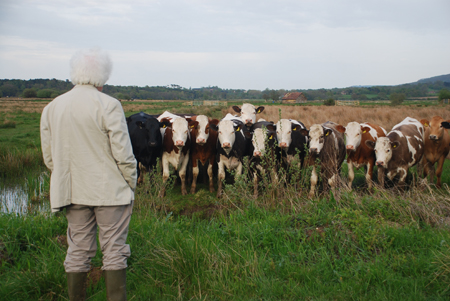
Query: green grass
x,y
351,245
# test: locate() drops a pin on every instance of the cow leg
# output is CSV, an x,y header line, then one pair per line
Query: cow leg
x,y
166,174
431,171
401,182
195,171
255,184
440,166
139,178
211,179
351,174
221,178
381,172
182,173
314,179
369,175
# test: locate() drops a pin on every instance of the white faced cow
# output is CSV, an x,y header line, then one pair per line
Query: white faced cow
x,y
402,148
326,144
203,148
176,146
248,113
358,153
232,145
292,137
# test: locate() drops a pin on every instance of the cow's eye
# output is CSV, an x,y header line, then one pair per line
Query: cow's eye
x,y
388,150
185,132
289,132
220,132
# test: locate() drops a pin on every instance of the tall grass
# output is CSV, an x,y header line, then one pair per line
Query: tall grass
x,y
15,163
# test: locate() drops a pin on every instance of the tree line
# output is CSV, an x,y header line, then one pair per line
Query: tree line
x,y
51,88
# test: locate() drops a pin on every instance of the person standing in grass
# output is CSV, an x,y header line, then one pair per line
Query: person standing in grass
x,y
86,145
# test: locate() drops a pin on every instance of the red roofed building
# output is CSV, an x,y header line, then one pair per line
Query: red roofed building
x,y
293,97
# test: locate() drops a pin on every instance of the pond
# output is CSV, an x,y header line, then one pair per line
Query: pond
x,y
26,196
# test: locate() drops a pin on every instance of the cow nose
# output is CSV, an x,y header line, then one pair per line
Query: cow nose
x,y
283,144
313,150
226,145
179,143
152,144
199,140
379,163
257,154
433,137
350,147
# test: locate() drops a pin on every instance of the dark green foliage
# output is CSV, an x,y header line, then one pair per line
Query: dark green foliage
x,y
29,92
397,98
44,93
329,102
444,94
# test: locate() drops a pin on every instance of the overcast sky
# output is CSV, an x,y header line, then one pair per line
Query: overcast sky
x,y
251,44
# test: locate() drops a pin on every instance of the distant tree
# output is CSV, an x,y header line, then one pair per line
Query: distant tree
x,y
266,94
1,93
44,93
9,90
397,98
329,102
355,96
444,94
275,95
29,93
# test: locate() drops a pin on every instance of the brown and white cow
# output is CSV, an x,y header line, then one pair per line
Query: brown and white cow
x,y
326,143
203,148
248,113
437,147
176,146
358,153
402,148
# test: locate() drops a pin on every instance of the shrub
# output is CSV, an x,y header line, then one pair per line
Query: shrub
x,y
44,93
329,102
397,98
29,93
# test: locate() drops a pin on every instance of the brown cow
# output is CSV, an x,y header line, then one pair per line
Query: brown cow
x,y
358,153
437,147
203,148
402,148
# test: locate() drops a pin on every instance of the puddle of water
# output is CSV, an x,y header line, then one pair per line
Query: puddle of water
x,y
27,197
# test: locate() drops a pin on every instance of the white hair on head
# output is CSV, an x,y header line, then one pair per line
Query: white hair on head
x,y
90,67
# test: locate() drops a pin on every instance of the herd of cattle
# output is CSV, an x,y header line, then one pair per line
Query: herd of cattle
x,y
179,139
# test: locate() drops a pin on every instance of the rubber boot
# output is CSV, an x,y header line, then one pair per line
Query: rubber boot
x,y
116,285
76,283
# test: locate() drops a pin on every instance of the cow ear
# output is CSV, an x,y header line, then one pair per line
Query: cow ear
x,y
446,124
213,127
236,109
304,132
425,122
238,128
395,144
214,121
259,109
327,132
192,124
365,129
128,120
340,128
370,144
165,123
296,127
140,124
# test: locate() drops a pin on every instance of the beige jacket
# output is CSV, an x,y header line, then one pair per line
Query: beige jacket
x,y
86,145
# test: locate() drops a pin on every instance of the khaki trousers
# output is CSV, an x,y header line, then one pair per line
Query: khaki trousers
x,y
112,222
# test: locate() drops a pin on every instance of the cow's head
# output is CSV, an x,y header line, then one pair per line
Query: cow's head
x,y
284,130
353,135
203,128
180,131
152,132
227,133
262,139
317,136
248,113
435,126
384,148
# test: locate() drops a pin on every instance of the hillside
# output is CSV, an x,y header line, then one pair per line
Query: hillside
x,y
443,78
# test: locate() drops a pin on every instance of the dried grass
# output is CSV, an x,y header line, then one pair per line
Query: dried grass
x,y
384,116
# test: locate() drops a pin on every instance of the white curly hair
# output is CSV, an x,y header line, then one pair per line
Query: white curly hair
x,y
90,67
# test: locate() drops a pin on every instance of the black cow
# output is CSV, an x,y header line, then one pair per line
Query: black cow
x,y
292,138
146,140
